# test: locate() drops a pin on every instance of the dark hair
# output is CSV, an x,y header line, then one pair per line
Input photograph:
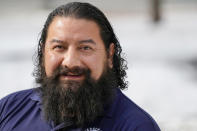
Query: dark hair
x,y
86,11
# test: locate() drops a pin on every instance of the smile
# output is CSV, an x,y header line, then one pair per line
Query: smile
x,y
71,77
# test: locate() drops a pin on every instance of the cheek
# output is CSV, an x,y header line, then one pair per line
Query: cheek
x,y
51,62
96,65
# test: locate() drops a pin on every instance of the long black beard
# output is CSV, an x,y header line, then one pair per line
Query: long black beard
x,y
80,102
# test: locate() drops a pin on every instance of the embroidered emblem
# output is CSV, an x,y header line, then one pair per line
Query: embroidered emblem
x,y
93,129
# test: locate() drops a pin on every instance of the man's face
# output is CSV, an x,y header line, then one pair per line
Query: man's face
x,y
75,58
75,43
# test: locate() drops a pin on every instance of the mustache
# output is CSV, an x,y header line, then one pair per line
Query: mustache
x,y
71,71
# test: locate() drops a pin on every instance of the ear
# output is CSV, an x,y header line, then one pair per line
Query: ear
x,y
111,55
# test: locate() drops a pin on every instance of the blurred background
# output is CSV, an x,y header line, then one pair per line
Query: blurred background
x,y
159,39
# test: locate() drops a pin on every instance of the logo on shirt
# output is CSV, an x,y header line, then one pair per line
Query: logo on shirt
x,y
93,129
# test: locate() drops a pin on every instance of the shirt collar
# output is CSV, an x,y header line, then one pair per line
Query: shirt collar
x,y
36,96
109,110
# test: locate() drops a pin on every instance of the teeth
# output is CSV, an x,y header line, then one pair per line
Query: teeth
x,y
72,74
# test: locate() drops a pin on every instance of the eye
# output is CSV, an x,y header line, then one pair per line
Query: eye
x,y
85,48
58,47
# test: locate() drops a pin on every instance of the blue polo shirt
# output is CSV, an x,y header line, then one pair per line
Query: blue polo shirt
x,y
21,111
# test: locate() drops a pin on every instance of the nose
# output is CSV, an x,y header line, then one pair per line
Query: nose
x,y
71,58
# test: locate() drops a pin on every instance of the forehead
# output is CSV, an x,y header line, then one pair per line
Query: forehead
x,y
75,28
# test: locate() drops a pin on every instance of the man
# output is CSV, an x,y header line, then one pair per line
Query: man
x,y
79,74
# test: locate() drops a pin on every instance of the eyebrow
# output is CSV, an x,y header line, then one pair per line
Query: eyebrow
x,y
87,41
80,42
56,41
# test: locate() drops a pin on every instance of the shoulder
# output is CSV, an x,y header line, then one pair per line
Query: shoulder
x,y
132,117
14,99
16,95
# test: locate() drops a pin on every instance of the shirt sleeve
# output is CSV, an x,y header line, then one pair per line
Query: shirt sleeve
x,y
136,124
147,127
5,103
2,106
